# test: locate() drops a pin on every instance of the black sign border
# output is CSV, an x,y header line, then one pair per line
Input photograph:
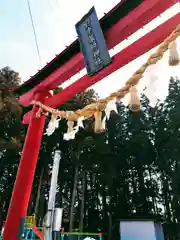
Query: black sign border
x,y
90,73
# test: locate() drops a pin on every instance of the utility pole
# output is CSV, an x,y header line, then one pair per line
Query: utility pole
x,y
52,195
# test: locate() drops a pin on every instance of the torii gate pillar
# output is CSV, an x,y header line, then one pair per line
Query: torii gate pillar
x,y
24,180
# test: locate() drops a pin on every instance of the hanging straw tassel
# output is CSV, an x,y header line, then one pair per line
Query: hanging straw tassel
x,y
104,123
134,103
70,125
39,112
174,58
98,122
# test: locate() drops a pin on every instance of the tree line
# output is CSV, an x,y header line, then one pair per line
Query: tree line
x,y
130,171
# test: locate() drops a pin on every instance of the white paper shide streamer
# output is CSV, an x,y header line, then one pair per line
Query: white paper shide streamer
x,y
53,124
111,106
150,90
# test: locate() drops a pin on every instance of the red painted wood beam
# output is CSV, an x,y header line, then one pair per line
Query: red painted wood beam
x,y
24,179
128,54
140,16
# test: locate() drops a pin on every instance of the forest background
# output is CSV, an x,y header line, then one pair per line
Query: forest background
x,y
130,171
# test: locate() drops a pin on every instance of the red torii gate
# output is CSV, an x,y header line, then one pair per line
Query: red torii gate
x,y
122,21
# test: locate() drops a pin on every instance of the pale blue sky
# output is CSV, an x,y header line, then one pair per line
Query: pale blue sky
x,y
17,43
54,23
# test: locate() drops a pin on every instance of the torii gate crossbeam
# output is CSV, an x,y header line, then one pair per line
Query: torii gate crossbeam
x,y
140,16
135,50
